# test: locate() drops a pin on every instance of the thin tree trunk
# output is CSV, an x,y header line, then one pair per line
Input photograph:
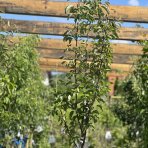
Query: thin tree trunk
x,y
30,141
83,139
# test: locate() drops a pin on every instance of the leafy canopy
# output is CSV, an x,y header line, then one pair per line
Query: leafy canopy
x,y
78,98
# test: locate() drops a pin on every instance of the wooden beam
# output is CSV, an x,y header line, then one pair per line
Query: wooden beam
x,y
50,28
129,49
53,68
123,69
122,53
129,13
45,8
57,54
57,44
133,34
55,63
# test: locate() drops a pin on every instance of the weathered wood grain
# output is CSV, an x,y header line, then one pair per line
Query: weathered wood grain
x,y
57,54
48,8
118,48
50,28
55,63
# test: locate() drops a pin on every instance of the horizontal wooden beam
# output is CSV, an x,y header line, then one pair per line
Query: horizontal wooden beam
x,y
53,68
57,44
57,54
48,8
50,28
56,68
122,53
55,63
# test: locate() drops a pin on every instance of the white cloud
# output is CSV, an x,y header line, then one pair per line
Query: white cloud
x,y
133,2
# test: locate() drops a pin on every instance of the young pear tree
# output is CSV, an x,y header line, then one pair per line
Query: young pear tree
x,y
88,41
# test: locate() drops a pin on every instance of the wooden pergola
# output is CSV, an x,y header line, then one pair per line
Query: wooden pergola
x,y
52,49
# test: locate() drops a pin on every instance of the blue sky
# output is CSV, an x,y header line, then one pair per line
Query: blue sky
x,y
130,2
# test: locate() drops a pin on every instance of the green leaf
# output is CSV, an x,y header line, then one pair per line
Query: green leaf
x,y
68,9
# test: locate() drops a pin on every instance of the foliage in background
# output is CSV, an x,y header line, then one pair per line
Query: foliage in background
x,y
132,109
22,95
